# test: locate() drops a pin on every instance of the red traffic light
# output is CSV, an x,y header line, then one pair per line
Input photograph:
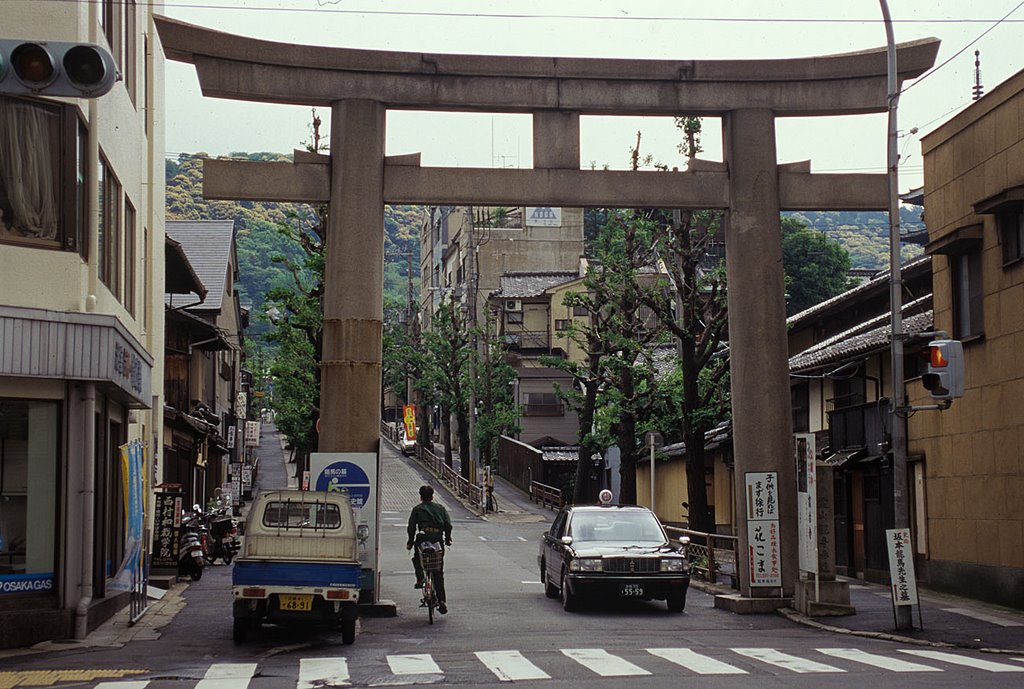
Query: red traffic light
x,y
33,65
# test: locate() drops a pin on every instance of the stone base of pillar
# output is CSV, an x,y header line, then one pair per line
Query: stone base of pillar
x,y
833,598
734,602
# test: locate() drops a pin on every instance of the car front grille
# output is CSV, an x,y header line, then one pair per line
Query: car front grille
x,y
632,565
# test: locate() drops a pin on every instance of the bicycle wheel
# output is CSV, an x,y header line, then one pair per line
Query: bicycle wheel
x,y
428,595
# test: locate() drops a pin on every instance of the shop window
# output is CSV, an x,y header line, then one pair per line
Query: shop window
x,y
968,317
29,452
42,177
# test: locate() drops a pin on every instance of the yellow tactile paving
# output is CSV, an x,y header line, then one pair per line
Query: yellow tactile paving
x,y
48,678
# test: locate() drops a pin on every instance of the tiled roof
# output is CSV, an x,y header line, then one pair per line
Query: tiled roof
x,y
869,336
879,282
567,453
714,438
207,243
524,285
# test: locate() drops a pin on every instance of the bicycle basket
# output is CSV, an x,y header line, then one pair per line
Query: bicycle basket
x,y
431,557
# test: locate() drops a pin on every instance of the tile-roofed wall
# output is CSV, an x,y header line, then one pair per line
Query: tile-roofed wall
x,y
523,285
207,243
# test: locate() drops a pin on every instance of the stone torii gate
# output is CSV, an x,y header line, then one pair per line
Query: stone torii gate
x,y
357,180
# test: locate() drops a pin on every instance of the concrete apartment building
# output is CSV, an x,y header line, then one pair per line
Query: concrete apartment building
x,y
974,210
504,241
81,318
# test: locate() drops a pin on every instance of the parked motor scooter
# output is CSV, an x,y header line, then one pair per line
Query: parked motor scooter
x,y
192,549
223,535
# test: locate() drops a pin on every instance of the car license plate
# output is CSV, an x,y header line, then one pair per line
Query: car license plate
x,y
631,590
300,603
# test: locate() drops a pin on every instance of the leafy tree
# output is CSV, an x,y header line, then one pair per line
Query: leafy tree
x,y
445,378
498,411
816,266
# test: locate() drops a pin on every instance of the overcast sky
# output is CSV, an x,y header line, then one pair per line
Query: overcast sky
x,y
656,29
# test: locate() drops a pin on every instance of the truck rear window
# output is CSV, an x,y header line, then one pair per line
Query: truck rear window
x,y
302,515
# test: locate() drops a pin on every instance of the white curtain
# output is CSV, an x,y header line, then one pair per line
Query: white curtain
x,y
28,141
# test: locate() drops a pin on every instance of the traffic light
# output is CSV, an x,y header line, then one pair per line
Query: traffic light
x,y
945,376
52,68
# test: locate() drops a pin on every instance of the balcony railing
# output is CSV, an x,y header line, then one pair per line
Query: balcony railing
x,y
526,339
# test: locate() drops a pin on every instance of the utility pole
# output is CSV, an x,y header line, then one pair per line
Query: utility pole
x,y
471,270
898,435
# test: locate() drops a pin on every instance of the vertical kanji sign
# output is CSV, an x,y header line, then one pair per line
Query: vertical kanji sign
x,y
762,494
409,419
901,567
806,500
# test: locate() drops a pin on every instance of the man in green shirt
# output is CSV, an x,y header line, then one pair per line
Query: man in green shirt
x,y
429,522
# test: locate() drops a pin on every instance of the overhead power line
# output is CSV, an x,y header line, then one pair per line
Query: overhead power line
x,y
322,8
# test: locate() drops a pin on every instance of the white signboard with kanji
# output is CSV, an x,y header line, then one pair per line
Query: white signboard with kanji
x,y
764,550
252,433
806,501
901,567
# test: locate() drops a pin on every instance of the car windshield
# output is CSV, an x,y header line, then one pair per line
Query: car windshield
x,y
633,527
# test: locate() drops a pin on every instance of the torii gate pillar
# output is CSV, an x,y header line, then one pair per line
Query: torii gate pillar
x,y
353,297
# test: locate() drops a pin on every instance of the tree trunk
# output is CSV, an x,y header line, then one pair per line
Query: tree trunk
x,y
446,436
585,489
627,443
465,458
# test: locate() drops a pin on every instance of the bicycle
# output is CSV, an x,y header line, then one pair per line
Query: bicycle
x,y
432,560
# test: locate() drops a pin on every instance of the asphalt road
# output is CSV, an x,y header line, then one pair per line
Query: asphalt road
x,y
501,629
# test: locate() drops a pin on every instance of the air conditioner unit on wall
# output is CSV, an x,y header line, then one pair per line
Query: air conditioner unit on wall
x,y
513,305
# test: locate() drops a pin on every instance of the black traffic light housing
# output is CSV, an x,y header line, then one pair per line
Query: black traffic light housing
x,y
945,376
54,68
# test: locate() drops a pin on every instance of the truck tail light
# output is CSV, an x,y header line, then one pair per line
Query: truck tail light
x,y
341,594
254,592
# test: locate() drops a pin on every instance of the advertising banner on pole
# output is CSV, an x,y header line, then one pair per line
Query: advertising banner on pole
x,y
409,419
166,529
252,433
133,488
806,501
762,495
355,472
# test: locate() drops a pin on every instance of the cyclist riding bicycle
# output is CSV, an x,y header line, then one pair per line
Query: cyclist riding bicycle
x,y
429,522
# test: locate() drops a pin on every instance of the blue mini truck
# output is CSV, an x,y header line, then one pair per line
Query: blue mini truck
x,y
299,564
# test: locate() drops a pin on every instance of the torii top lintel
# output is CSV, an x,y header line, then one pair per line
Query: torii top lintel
x,y
242,68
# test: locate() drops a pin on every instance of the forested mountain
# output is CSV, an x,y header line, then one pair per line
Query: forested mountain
x,y
259,240
863,234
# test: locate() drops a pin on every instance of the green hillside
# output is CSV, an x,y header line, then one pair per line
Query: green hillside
x,y
259,240
864,234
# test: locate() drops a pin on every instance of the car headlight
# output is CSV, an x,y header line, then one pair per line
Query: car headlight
x,y
672,564
586,564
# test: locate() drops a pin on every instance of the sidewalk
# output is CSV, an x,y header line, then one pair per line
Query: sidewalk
x,y
947,620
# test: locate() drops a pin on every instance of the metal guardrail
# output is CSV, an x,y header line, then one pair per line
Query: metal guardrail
x,y
548,496
714,555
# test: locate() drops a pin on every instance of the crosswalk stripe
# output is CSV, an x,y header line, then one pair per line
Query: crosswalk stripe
x,y
227,676
321,672
510,666
785,661
129,684
966,661
858,656
413,664
696,662
604,663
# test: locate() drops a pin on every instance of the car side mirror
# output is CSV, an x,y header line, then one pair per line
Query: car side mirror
x,y
363,532
566,540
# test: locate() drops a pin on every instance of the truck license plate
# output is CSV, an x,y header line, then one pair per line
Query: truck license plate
x,y
631,590
300,603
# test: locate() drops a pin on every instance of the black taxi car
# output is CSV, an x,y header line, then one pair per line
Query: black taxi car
x,y
612,551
